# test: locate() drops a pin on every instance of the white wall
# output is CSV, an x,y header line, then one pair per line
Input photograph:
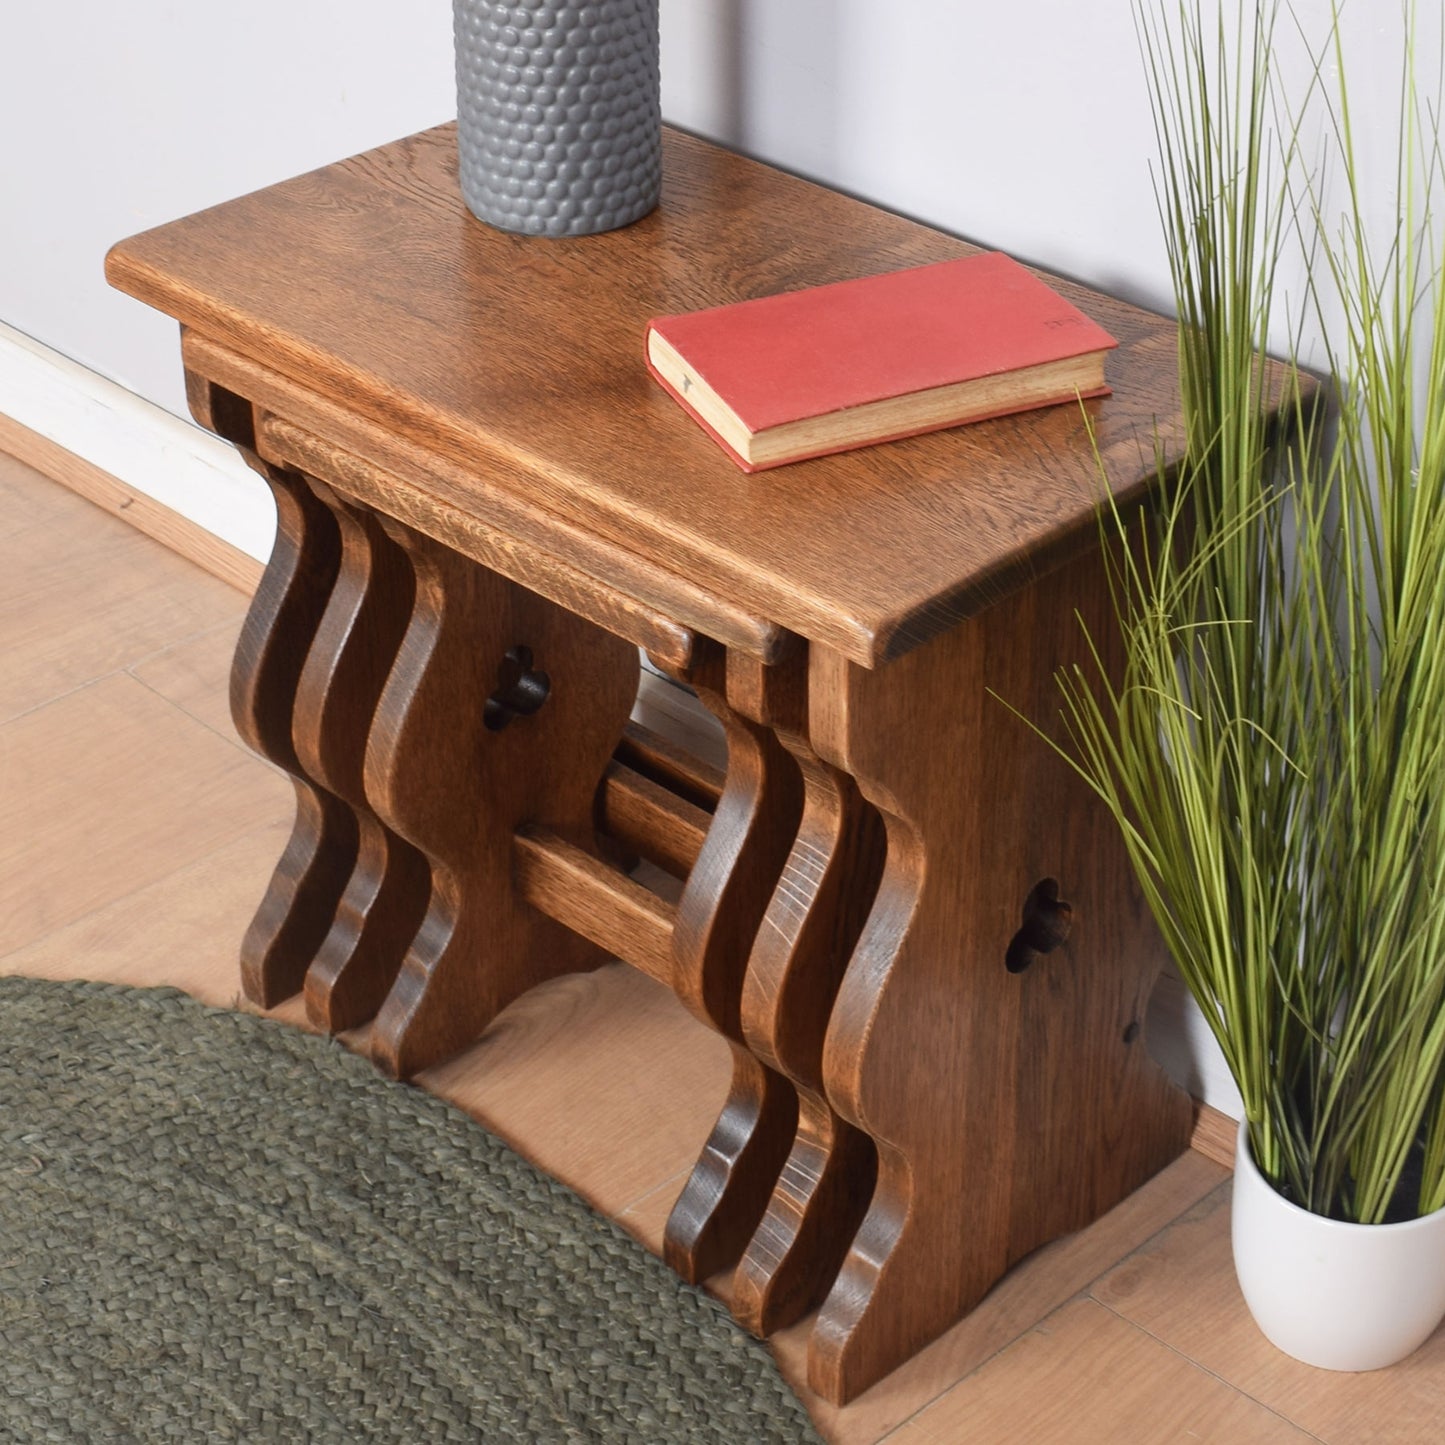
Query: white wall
x,y
121,117
1014,125
1024,126
118,117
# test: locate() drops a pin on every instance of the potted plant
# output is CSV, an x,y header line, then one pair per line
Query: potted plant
x,y
1275,751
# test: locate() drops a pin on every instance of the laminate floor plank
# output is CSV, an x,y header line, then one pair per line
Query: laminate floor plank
x,y
28,499
1181,1288
107,790
181,931
1086,1376
195,676
1031,1290
645,1219
602,1079
79,602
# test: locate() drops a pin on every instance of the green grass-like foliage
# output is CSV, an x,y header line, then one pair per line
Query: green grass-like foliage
x,y
1275,751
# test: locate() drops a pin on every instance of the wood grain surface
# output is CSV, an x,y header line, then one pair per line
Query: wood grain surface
x,y
1039,1389
521,359
356,643
1181,1288
456,782
807,936
718,917
296,913
512,552
575,887
996,1063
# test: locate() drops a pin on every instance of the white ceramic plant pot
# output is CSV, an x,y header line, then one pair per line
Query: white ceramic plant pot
x,y
1340,1296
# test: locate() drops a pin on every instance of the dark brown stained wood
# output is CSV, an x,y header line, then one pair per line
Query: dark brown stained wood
x,y
522,358
598,601
751,834
1008,1107
296,912
443,774
806,939
718,916
650,820
474,512
659,758
355,644
576,888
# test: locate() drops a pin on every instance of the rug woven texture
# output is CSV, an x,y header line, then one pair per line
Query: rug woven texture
x,y
215,1228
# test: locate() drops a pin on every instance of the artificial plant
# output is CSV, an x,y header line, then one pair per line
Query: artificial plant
x,y
1274,752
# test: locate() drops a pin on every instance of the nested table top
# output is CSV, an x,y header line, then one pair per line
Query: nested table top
x,y
522,358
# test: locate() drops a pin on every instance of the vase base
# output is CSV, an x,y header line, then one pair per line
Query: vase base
x,y
1338,1296
560,227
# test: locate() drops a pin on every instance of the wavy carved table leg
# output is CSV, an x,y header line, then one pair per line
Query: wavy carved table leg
x,y
285,613
502,709
717,920
356,643
806,939
301,899
988,1030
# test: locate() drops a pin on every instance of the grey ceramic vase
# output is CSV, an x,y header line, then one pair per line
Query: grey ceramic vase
x,y
558,118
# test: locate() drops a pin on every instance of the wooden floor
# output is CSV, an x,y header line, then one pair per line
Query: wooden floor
x,y
136,836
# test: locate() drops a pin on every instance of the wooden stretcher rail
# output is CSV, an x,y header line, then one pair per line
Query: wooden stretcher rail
x,y
650,820
603,905
678,770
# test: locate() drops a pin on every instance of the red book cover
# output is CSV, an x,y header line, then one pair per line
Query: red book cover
x,y
805,354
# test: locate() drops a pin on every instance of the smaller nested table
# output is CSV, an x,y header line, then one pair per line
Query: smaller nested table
x,y
915,928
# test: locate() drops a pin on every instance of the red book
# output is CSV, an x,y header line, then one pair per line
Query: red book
x,y
835,367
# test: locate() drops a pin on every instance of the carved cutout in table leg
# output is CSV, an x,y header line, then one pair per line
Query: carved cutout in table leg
x,y
807,937
301,898
356,643
457,780
1008,1106
718,915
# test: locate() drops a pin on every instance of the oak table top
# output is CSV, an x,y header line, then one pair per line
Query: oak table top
x,y
520,361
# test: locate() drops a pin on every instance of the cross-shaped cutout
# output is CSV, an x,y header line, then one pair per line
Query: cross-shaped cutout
x,y
1046,924
521,690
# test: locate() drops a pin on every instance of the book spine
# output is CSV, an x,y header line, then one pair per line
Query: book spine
x,y
687,406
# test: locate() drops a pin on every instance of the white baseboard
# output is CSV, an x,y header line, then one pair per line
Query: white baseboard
x,y
190,472
140,444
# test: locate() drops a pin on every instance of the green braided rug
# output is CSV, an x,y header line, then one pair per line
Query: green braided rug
x,y
213,1227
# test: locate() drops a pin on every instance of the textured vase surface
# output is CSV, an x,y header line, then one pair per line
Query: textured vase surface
x,y
558,119
1337,1295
